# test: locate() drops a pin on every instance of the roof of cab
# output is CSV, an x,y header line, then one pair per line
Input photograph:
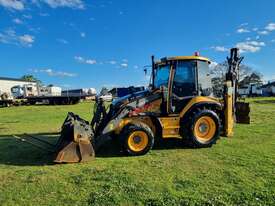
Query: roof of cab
x,y
184,58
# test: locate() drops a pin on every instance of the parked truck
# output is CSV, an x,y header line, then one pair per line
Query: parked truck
x,y
84,93
43,94
251,90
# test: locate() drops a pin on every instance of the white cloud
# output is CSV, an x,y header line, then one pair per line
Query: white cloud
x,y
9,36
264,32
270,27
75,4
243,24
257,37
250,46
242,30
255,29
20,4
220,48
52,72
63,41
17,21
35,30
136,67
12,4
83,34
248,39
124,65
26,40
27,16
112,62
85,61
90,61
257,43
79,58
273,40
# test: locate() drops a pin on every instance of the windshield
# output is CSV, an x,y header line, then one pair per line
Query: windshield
x,y
162,76
15,89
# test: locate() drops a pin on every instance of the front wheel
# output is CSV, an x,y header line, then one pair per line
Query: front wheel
x,y
203,129
137,139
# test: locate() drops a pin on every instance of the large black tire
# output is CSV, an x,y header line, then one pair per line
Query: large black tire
x,y
137,139
209,121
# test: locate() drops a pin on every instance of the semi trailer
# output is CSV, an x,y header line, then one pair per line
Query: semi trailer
x,y
43,94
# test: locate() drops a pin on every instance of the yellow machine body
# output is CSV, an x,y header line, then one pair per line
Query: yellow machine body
x,y
170,125
178,104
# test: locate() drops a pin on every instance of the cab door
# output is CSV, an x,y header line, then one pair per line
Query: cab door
x,y
183,85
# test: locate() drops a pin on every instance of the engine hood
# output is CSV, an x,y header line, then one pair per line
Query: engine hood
x,y
128,98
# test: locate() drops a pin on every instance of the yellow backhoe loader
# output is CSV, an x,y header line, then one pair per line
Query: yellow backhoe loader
x,y
177,104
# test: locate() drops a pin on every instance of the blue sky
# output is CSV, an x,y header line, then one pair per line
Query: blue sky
x,y
77,43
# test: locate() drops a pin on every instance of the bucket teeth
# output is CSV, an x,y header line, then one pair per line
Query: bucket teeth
x,y
75,152
87,152
75,142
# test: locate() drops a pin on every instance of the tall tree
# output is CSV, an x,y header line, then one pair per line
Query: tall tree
x,y
246,75
104,91
254,78
219,70
30,78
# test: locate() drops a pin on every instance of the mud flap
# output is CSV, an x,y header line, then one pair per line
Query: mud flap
x,y
76,141
242,112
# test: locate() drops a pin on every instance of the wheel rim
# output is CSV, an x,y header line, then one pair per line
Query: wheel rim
x,y
138,141
205,129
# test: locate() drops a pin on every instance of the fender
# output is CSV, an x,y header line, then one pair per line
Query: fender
x,y
196,101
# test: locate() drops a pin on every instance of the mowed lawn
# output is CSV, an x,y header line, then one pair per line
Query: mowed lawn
x,y
235,171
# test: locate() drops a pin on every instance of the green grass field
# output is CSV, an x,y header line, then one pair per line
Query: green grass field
x,y
235,171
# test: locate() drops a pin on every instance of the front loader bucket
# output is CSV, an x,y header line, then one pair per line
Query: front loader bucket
x,y
75,142
242,112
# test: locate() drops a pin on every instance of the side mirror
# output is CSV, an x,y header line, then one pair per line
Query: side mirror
x,y
145,71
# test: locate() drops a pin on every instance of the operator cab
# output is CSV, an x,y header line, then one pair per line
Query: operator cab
x,y
181,78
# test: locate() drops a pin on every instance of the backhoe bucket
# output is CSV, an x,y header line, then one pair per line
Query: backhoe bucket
x,y
242,112
75,142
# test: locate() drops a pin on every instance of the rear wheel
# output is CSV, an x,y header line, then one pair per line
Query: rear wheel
x,y
203,128
137,139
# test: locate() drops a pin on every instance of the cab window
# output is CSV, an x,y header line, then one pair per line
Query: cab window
x,y
204,79
185,79
162,76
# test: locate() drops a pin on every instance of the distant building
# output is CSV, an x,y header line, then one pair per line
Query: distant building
x,y
251,90
7,83
269,89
